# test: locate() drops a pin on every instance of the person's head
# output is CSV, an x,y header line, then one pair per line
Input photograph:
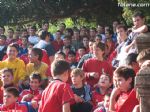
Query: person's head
x,y
10,96
58,34
69,32
24,41
24,33
59,56
2,30
108,33
100,29
121,32
32,30
124,78
60,69
2,40
83,30
71,56
91,42
66,49
81,51
105,81
62,27
76,34
10,33
35,81
138,19
131,61
143,56
93,32
45,25
17,33
6,76
115,24
44,35
67,40
12,51
85,41
35,55
106,100
98,38
99,49
77,76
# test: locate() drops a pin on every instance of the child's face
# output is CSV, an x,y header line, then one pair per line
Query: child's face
x,y
2,41
104,81
7,78
32,56
106,101
97,51
9,98
12,52
81,52
34,84
71,58
76,79
122,83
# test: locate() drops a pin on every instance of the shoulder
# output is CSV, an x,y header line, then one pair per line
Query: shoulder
x,y
44,65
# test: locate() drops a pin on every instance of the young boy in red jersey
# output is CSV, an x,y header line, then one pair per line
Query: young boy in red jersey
x,y
34,93
58,95
10,104
7,81
124,81
93,67
102,88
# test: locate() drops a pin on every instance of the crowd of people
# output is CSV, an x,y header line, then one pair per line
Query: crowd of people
x,y
73,70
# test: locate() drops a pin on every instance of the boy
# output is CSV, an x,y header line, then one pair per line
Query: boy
x,y
14,63
34,93
124,81
93,67
102,88
3,46
57,96
81,91
72,59
10,104
7,81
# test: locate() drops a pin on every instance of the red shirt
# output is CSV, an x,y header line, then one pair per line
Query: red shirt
x,y
54,96
25,58
36,94
1,95
94,65
45,57
57,45
15,107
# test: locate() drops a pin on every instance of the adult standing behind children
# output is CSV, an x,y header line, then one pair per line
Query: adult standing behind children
x,y
57,96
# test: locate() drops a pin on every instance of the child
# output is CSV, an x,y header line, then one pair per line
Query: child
x,y
124,81
81,91
34,93
14,63
10,104
104,106
95,66
7,81
60,55
3,46
102,88
57,96
72,59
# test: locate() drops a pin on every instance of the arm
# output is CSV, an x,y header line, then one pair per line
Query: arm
x,y
142,29
66,107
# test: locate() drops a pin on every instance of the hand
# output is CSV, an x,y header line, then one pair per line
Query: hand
x,y
115,92
77,98
94,75
34,104
28,96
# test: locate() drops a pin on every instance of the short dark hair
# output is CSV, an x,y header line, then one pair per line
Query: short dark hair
x,y
45,22
39,52
72,53
61,53
100,45
59,67
138,14
82,47
121,26
7,70
35,76
131,58
3,37
126,73
16,46
110,31
42,34
33,27
12,90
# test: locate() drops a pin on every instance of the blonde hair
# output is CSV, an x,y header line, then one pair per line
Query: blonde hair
x,y
77,72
